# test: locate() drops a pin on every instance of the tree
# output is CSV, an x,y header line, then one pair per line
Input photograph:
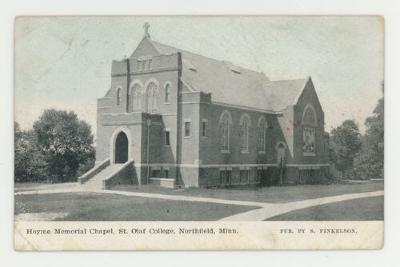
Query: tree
x,y
65,142
370,163
29,164
345,145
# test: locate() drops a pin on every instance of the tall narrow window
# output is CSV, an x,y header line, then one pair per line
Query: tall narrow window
x,y
244,133
261,132
204,128
151,95
155,102
136,94
187,128
167,138
128,101
118,96
166,93
149,100
225,122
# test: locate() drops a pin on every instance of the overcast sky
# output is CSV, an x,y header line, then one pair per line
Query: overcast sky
x,y
65,62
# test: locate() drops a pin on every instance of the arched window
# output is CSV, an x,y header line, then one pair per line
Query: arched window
x,y
225,122
309,124
309,116
167,93
152,96
128,103
135,94
154,104
244,132
261,134
118,96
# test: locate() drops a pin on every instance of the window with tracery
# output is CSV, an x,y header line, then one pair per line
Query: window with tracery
x,y
309,123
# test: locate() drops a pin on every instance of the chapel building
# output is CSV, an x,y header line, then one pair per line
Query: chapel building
x,y
177,118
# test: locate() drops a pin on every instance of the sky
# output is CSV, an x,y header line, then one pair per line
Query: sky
x,y
65,62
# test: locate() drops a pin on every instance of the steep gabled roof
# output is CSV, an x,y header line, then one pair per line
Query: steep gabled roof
x,y
231,84
283,93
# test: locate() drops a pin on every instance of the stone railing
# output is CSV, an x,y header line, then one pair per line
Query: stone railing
x,y
94,171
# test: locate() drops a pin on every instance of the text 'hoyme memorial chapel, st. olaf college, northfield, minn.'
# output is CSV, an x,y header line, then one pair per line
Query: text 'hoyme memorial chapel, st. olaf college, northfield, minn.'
x,y
179,119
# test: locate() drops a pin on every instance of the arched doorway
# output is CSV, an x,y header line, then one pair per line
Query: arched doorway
x,y
121,148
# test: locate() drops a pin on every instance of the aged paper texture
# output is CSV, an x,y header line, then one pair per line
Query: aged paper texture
x,y
199,133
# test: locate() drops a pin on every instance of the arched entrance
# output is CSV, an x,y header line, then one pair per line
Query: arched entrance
x,y
121,148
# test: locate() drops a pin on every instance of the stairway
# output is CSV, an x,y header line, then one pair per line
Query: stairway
x,y
96,183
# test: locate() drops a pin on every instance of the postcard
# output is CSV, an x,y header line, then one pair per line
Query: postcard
x,y
199,132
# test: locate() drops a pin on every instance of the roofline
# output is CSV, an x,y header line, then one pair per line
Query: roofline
x,y
200,55
150,41
301,91
228,104
193,90
137,47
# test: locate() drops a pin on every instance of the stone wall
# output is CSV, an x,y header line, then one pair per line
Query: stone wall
x,y
209,146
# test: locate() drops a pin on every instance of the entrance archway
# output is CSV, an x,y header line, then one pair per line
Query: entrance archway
x,y
121,148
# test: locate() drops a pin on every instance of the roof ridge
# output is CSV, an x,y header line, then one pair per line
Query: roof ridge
x,y
207,57
288,80
249,89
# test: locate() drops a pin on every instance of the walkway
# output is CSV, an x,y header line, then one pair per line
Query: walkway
x,y
278,209
267,210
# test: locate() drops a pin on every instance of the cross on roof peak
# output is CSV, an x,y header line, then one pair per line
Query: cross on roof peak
x,y
146,27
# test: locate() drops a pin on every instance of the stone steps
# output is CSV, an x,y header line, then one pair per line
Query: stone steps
x,y
97,181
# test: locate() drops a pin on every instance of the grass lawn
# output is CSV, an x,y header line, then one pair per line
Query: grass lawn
x,y
20,187
276,194
112,207
365,209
